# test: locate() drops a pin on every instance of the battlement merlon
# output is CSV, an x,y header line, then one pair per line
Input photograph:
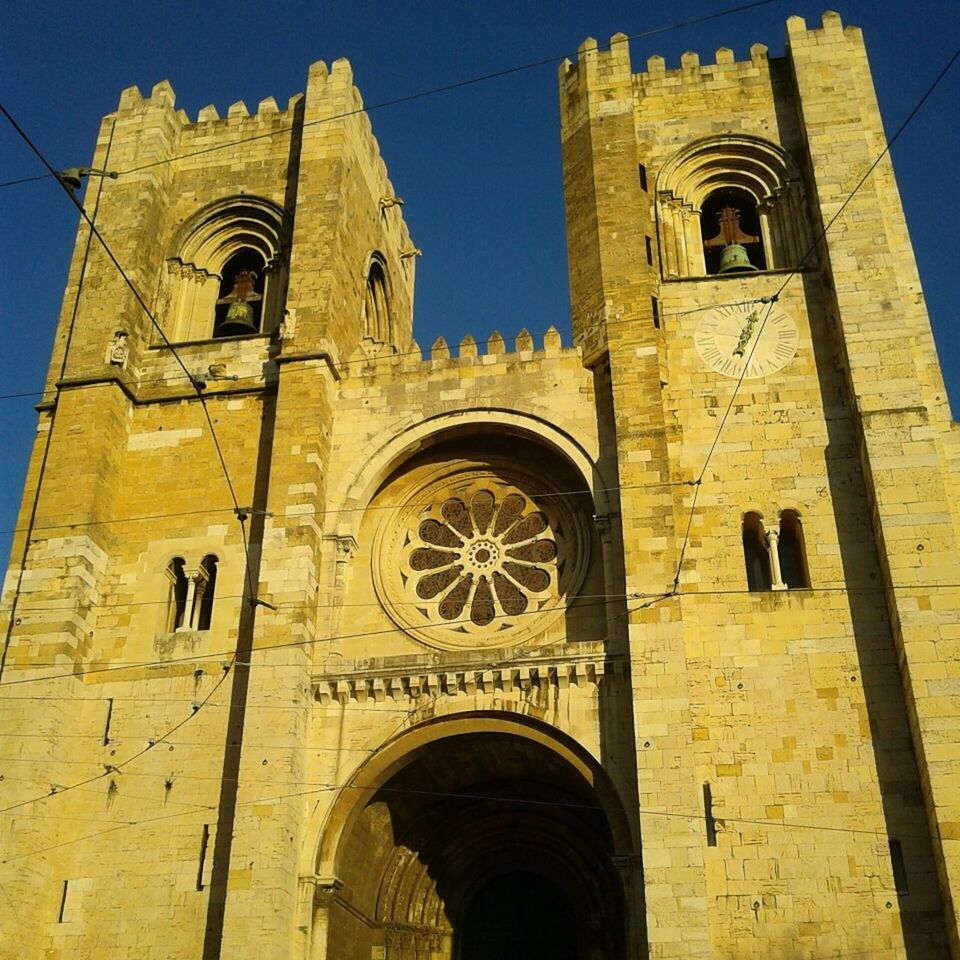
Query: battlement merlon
x,y
377,362
600,79
167,162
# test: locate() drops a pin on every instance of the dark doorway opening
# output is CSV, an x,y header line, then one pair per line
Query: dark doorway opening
x,y
519,916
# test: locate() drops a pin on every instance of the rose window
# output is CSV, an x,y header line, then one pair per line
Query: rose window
x,y
485,560
483,557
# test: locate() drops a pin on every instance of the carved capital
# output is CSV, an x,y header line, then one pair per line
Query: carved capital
x,y
346,548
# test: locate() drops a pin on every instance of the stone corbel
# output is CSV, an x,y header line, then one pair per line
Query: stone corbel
x,y
325,889
118,350
346,550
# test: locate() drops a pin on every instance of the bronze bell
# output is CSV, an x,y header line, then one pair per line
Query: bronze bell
x,y
734,259
240,318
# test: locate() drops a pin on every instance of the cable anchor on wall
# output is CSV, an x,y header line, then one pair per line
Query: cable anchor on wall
x,y
72,177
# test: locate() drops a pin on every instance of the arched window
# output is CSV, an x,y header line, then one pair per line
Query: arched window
x,y
730,190
756,554
176,594
792,555
226,275
376,306
240,302
190,594
206,580
729,217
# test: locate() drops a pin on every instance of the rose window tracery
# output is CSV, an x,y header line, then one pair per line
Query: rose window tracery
x,y
480,559
484,553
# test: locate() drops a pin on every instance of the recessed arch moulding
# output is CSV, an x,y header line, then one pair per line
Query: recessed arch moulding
x,y
200,250
472,531
761,169
453,805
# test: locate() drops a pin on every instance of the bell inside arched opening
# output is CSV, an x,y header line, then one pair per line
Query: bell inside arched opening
x,y
239,307
732,233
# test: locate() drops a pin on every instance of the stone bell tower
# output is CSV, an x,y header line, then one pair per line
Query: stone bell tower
x,y
266,248
778,400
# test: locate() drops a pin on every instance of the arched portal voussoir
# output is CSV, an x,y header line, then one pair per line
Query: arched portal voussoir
x,y
404,748
384,454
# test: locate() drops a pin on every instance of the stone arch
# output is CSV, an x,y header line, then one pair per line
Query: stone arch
x,y
755,166
237,226
420,887
371,773
383,455
378,300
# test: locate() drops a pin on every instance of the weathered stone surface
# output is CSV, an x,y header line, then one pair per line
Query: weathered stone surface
x,y
505,620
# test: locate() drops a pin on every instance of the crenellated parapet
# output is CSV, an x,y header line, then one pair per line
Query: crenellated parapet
x,y
376,361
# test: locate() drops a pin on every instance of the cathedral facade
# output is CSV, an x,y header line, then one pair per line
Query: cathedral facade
x,y
326,646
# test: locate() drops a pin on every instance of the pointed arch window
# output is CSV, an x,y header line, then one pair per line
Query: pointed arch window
x,y
206,585
730,190
190,594
376,304
775,559
226,273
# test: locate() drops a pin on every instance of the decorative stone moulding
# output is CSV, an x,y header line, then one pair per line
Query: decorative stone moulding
x,y
480,558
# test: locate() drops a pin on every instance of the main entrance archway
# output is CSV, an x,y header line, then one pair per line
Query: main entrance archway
x,y
518,916
483,842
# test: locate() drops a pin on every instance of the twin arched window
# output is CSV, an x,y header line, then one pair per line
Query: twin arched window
x,y
730,191
775,559
227,276
190,594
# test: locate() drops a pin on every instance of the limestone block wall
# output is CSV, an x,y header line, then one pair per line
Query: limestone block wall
x,y
129,477
345,214
787,704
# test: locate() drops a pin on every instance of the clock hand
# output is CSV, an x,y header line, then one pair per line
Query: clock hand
x,y
745,334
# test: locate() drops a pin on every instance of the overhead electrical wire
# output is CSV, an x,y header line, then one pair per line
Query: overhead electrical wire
x,y
596,600
653,598
793,272
358,361
695,591
432,91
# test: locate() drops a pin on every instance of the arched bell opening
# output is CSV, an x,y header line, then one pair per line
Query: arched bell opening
x,y
240,296
476,826
730,218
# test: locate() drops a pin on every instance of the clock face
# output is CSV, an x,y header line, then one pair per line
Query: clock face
x,y
750,340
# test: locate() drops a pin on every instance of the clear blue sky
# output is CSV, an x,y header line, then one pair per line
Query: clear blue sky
x,y
479,168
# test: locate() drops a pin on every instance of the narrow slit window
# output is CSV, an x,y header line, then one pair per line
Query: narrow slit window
x,y
177,595
642,170
376,308
202,861
710,822
655,310
204,593
649,245
791,551
756,555
106,724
